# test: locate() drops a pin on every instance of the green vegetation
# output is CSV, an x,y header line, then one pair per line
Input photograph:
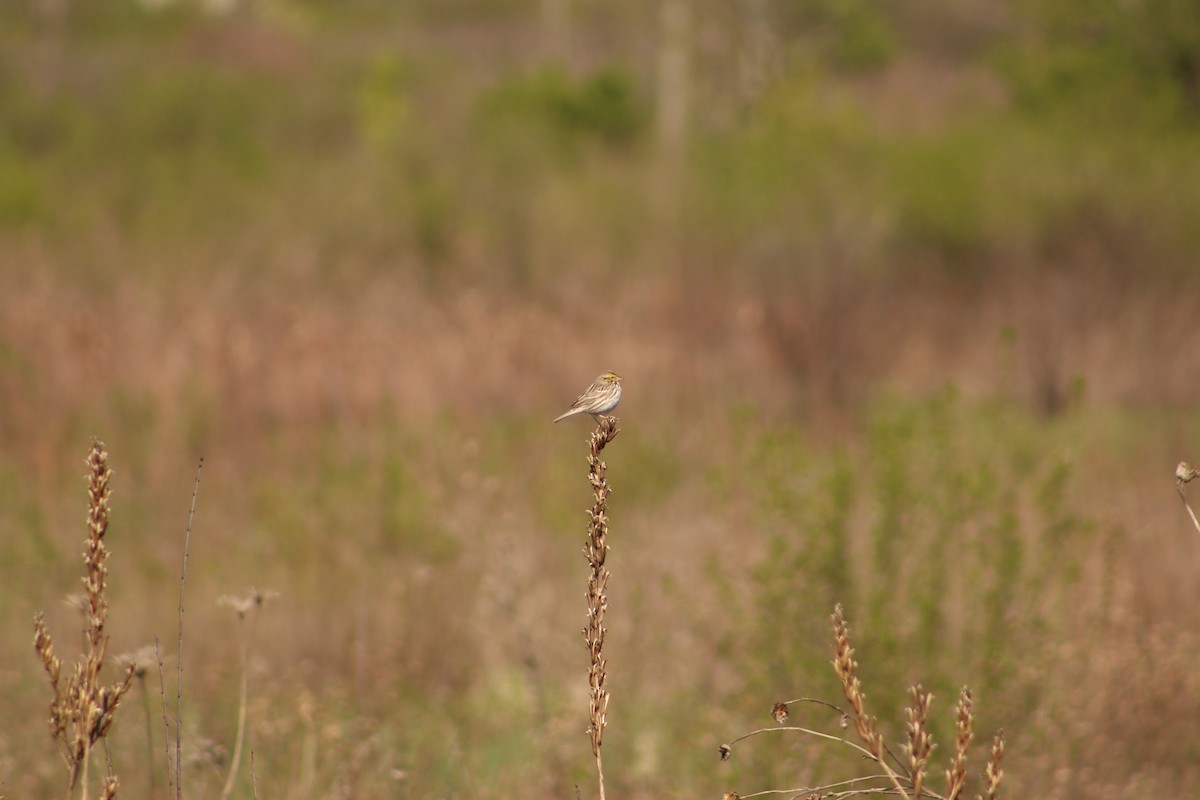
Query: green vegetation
x,y
167,128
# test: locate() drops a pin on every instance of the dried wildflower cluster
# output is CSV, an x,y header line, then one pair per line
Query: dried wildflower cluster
x,y
81,712
1185,473
595,549
902,778
244,604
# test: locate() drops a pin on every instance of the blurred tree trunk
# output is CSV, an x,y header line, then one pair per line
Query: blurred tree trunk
x,y
51,17
755,49
556,30
673,73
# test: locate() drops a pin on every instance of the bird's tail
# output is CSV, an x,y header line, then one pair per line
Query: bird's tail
x,y
570,413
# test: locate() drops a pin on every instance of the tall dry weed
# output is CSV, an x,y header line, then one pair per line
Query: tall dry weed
x,y
82,709
596,551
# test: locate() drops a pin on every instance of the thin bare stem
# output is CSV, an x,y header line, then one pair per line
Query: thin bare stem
x,y
162,693
253,600
241,725
816,790
865,752
149,735
187,538
781,710
815,700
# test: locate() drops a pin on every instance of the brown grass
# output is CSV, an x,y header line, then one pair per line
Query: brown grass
x,y
316,374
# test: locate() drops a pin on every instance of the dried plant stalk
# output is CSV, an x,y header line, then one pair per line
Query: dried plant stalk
x,y
81,712
596,551
920,742
845,666
964,720
992,774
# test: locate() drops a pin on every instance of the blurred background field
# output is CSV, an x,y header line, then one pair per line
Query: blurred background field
x,y
905,297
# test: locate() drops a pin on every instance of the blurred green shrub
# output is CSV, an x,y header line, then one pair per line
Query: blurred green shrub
x,y
386,113
1124,63
952,521
549,113
938,187
21,196
848,35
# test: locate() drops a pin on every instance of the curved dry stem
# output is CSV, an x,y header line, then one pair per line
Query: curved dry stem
x,y
864,751
817,701
782,708
818,790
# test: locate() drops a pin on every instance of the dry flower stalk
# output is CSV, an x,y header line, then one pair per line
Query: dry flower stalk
x,y
964,719
595,549
81,712
920,742
845,666
992,774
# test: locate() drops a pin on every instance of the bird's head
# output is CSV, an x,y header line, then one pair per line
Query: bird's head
x,y
610,377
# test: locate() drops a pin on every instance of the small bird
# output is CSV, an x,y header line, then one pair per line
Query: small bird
x,y
600,398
